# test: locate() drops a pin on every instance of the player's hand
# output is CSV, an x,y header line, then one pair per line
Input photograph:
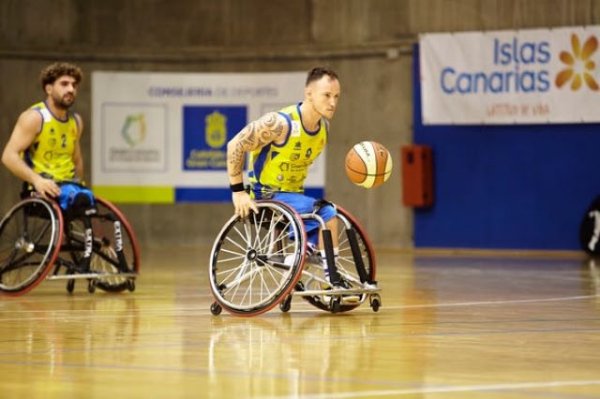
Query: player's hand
x,y
47,188
243,204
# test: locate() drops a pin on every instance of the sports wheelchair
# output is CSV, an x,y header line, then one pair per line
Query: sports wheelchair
x,y
263,260
39,240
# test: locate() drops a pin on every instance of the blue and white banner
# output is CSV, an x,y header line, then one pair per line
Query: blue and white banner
x,y
510,77
162,137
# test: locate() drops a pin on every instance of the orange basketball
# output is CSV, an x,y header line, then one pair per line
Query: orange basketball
x,y
368,164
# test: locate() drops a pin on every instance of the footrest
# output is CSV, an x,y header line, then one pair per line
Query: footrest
x,y
338,292
98,276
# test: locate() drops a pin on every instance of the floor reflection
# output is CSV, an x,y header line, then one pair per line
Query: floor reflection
x,y
62,327
280,348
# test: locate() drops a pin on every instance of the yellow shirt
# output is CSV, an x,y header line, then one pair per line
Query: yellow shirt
x,y
284,167
51,154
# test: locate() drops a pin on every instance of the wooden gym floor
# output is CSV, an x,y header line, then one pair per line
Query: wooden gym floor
x,y
450,326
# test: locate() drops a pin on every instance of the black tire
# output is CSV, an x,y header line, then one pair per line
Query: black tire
x,y
30,240
375,303
314,279
589,230
70,286
91,286
286,304
104,258
215,309
256,262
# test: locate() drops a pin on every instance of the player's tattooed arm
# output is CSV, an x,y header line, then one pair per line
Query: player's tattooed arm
x,y
270,127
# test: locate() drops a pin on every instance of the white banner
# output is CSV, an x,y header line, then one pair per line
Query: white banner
x,y
162,137
505,77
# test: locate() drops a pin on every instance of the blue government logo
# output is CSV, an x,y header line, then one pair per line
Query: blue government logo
x,y
206,131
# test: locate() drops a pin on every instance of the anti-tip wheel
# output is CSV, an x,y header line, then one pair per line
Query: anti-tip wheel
x,y
70,286
286,304
375,302
335,304
215,309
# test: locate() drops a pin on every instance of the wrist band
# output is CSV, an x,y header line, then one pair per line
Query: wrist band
x,y
236,188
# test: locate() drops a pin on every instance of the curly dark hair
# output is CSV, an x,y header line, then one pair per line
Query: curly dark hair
x,y
318,72
54,71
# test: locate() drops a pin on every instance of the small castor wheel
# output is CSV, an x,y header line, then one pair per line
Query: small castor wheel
x,y
215,309
131,285
286,304
375,303
91,286
70,286
335,304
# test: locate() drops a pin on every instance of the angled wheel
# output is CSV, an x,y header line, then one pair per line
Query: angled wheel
x,y
256,262
115,249
30,240
350,234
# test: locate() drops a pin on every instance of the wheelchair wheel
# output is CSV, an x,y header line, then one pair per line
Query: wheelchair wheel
x,y
105,258
256,262
313,277
30,240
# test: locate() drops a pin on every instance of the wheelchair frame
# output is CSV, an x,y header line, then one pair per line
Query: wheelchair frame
x,y
98,242
263,260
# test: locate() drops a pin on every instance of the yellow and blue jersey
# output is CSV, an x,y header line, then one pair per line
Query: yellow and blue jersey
x,y
284,167
51,153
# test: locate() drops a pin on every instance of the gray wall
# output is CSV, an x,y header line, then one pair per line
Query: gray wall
x,y
367,41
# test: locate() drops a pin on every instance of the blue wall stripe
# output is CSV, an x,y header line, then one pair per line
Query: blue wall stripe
x,y
202,194
190,194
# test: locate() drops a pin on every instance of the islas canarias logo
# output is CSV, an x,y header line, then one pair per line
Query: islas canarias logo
x,y
134,129
578,64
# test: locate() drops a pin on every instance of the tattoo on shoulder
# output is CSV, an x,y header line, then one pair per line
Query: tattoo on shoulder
x,y
257,134
271,127
268,128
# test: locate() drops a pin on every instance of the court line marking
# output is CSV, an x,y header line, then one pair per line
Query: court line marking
x,y
474,303
188,311
308,309
449,389
498,302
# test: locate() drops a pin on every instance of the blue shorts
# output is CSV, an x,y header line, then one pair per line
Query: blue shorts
x,y
304,204
68,193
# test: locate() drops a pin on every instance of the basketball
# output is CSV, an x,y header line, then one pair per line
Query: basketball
x,y
368,164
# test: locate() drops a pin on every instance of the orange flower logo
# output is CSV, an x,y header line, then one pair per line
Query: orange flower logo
x,y
578,64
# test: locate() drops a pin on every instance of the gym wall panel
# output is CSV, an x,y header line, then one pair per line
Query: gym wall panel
x,y
258,36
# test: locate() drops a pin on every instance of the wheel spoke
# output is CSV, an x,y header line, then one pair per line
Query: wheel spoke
x,y
246,274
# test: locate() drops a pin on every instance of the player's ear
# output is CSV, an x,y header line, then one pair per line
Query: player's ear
x,y
308,92
48,88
